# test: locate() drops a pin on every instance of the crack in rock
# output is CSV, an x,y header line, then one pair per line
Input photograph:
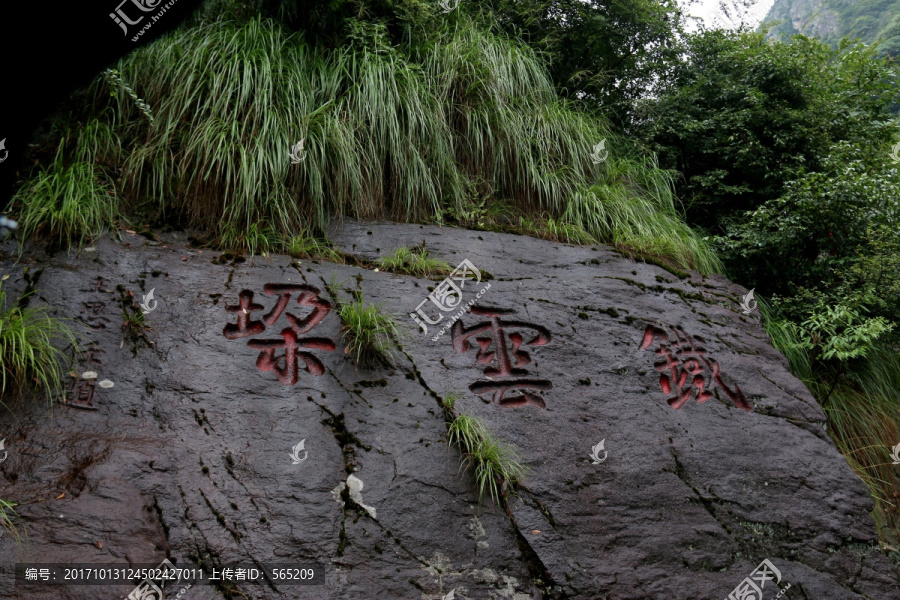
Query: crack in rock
x,y
354,485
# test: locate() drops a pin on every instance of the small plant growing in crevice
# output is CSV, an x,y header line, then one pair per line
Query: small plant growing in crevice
x,y
307,246
7,512
133,324
28,354
496,465
448,402
371,336
413,262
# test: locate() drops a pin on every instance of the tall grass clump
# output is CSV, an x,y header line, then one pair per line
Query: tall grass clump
x,y
495,465
29,349
67,203
861,399
206,116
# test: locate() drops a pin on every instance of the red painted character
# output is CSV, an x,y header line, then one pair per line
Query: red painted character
x,y
285,366
686,367
494,346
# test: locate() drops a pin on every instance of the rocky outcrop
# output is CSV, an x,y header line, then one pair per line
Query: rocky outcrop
x,y
814,18
193,454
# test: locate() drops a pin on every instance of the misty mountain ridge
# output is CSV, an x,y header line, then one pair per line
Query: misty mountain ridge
x,y
830,20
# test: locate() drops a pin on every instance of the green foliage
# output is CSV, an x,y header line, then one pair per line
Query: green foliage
x,y
67,204
7,512
859,389
448,402
833,234
371,335
255,238
603,53
114,79
648,225
741,116
874,22
307,246
413,262
496,465
29,354
839,332
404,123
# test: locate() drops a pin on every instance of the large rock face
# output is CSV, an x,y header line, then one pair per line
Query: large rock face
x,y
189,454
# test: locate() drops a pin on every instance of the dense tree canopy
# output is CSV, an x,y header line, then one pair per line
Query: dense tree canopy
x,y
740,116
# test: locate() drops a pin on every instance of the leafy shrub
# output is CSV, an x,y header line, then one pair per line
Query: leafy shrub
x,y
839,332
833,234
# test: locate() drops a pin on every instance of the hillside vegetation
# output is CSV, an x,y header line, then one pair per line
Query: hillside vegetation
x,y
722,151
830,20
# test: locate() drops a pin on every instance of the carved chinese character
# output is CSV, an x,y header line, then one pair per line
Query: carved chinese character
x,y
686,367
91,314
285,365
80,394
93,349
309,296
493,348
245,327
287,374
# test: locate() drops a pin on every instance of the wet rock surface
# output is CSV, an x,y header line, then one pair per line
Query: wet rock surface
x,y
189,454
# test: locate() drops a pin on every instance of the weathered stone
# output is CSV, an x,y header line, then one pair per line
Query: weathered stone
x,y
188,455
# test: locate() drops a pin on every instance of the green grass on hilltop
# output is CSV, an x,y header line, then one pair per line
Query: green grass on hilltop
x,y
404,132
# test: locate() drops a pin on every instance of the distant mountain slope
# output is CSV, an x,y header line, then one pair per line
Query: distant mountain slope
x,y
830,20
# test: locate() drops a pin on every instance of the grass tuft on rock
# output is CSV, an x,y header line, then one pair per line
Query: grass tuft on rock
x,y
496,466
414,262
305,245
7,512
29,354
370,334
